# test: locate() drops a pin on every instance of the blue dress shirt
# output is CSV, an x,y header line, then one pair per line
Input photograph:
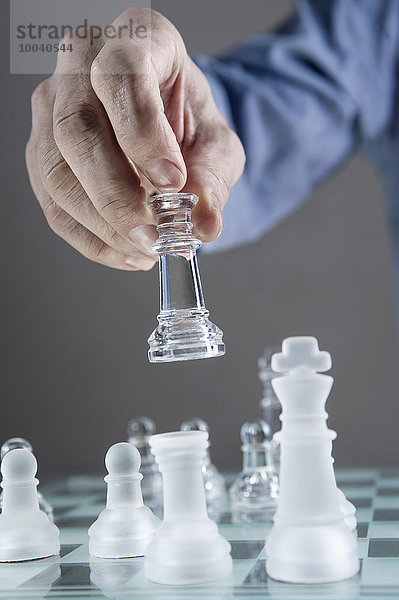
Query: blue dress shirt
x,y
301,99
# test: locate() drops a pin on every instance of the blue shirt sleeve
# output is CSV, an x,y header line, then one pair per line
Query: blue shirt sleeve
x,y
301,99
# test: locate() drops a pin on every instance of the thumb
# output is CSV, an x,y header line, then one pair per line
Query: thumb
x,y
214,164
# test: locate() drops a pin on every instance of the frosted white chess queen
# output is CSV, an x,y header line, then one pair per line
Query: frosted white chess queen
x,y
187,547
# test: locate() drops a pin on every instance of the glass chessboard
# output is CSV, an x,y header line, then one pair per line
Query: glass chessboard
x,y
77,502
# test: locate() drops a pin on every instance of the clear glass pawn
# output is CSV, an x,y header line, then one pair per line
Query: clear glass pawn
x,y
270,404
254,494
215,486
139,431
184,331
18,442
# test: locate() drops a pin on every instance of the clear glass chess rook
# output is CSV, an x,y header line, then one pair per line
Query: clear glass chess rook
x,y
270,404
18,442
254,494
139,431
184,331
215,486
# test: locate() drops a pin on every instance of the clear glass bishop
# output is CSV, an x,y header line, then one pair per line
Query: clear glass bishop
x,y
184,331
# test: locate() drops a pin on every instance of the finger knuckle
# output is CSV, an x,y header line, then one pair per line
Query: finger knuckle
x,y
77,128
96,249
54,215
54,171
40,94
117,212
74,118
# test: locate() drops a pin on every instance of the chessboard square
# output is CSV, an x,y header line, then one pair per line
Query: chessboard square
x,y
362,547
355,491
382,572
80,554
13,575
388,548
74,575
383,529
241,549
390,490
364,514
356,476
389,473
361,502
257,575
362,529
73,535
391,501
388,483
66,549
386,514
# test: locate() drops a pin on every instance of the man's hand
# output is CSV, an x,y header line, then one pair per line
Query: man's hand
x,y
119,119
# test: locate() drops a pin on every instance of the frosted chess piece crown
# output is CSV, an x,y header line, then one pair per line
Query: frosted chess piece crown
x,y
215,487
187,547
255,491
184,331
13,444
125,527
139,431
309,542
26,533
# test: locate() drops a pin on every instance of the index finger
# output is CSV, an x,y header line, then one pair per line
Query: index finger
x,y
86,140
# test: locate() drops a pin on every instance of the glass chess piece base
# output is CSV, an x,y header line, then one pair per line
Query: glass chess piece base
x,y
185,336
184,330
254,494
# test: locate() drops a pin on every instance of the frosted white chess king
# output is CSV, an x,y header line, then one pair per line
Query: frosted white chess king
x,y
187,547
26,533
310,541
125,527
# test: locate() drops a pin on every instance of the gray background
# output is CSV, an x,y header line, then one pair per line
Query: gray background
x,y
73,333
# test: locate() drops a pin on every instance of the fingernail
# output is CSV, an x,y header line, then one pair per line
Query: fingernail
x,y
144,236
141,263
164,175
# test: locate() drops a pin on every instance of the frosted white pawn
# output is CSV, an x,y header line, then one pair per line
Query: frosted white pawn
x,y
125,527
187,547
310,541
215,486
26,533
13,444
256,488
